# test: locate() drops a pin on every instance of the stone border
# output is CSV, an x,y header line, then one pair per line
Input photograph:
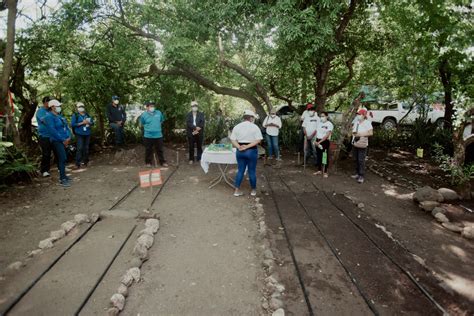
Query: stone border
x,y
143,243
54,236
273,290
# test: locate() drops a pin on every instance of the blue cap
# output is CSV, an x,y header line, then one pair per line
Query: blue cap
x,y
114,97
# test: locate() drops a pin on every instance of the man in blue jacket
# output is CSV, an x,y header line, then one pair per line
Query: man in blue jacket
x,y
43,136
59,135
151,120
81,123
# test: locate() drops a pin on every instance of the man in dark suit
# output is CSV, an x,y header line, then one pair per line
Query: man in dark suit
x,y
195,122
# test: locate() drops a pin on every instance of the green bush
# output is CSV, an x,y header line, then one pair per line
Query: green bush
x,y
290,133
459,175
14,165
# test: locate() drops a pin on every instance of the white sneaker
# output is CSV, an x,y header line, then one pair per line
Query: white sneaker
x,y
191,162
355,176
253,192
46,174
238,193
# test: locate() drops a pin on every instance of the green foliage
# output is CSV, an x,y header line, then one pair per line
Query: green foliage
x,y
459,175
290,133
13,164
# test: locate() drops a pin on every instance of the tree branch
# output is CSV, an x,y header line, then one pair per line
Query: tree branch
x,y
349,65
277,95
138,31
346,17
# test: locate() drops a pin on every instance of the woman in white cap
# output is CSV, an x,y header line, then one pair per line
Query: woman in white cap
x,y
81,123
245,137
195,122
361,131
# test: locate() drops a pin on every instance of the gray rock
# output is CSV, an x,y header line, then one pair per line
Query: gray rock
x,y
140,251
135,273
113,311
452,227
279,312
437,210
360,205
440,217
57,234
468,232
135,263
268,254
267,263
153,223
280,287
429,205
448,194
15,266
127,279
118,300
145,240
275,303
81,218
427,193
147,231
94,217
46,243
68,226
122,289
35,252
265,305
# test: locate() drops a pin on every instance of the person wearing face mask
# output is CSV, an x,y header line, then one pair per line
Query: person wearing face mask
x,y
81,123
195,122
361,131
151,121
310,126
60,136
117,116
44,141
323,136
272,124
245,137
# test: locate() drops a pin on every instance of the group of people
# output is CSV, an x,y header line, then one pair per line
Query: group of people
x,y
55,135
316,131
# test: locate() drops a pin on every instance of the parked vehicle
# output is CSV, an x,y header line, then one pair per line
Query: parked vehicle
x,y
285,112
389,115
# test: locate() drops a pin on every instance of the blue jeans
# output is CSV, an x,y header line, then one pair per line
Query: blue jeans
x,y
60,151
82,154
118,131
247,159
272,146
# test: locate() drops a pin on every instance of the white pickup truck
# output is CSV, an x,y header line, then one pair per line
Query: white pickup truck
x,y
388,115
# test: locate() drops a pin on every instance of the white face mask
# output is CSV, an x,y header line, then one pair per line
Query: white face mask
x,y
194,108
273,115
81,109
151,109
360,117
324,119
116,101
57,109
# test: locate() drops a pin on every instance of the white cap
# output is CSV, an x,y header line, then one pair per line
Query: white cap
x,y
54,102
194,103
80,105
250,113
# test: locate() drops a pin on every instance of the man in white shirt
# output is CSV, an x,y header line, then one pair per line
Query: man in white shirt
x,y
323,136
303,116
245,137
310,126
272,124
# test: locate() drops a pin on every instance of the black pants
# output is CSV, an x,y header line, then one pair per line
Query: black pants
x,y
157,143
319,154
195,139
46,149
359,158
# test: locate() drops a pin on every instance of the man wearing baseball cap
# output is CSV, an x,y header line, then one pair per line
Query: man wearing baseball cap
x,y
245,137
361,131
44,141
59,135
151,121
195,122
81,122
117,117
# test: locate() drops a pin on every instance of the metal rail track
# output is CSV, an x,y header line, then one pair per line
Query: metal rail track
x,y
317,226
36,280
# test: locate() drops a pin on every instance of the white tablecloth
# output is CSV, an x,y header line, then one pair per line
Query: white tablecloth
x,y
209,157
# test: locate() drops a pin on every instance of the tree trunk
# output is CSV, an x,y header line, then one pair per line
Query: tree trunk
x,y
5,107
445,75
320,92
